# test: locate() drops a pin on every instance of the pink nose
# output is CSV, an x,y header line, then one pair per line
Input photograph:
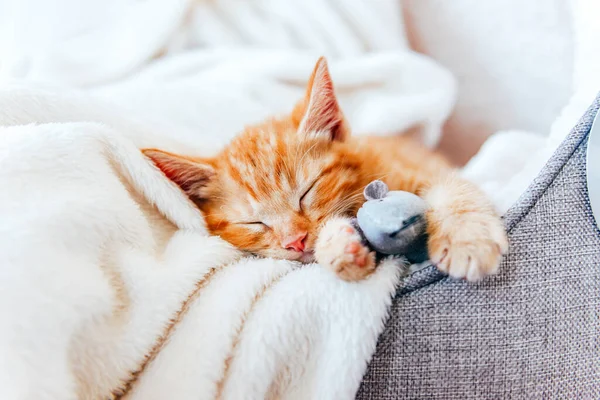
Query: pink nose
x,y
294,242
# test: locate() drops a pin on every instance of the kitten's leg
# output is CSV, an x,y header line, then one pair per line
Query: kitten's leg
x,y
466,236
339,247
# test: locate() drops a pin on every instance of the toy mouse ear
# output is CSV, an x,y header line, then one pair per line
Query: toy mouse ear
x,y
375,190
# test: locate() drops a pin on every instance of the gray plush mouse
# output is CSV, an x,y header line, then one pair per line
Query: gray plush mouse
x,y
393,223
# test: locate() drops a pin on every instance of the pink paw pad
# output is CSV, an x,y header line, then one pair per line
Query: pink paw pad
x,y
353,247
361,260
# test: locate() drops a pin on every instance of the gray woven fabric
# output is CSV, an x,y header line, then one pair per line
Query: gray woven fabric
x,y
532,332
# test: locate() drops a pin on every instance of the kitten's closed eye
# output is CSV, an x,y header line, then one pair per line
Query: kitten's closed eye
x,y
306,192
255,224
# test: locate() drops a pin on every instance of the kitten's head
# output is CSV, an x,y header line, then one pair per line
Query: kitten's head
x,y
275,184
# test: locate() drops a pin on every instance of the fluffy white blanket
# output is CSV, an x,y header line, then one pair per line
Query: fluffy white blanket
x,y
108,284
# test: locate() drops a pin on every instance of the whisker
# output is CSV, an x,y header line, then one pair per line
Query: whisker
x,y
378,176
306,153
345,204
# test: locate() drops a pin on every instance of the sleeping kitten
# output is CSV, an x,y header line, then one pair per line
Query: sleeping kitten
x,y
286,188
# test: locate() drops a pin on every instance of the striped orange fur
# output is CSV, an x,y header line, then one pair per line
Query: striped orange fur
x,y
275,185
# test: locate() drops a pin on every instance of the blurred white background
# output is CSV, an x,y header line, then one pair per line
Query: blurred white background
x,y
513,61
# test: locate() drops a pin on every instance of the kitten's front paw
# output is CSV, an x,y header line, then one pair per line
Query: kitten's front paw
x,y
467,246
339,247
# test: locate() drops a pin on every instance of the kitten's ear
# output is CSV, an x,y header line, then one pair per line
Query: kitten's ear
x,y
319,112
192,175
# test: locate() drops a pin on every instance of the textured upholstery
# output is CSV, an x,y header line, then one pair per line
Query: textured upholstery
x,y
531,332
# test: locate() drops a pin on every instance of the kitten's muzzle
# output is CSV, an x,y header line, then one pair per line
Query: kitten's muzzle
x,y
296,242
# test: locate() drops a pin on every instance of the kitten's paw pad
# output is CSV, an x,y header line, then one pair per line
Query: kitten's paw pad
x,y
469,247
339,248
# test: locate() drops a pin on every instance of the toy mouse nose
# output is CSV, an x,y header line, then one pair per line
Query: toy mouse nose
x,y
294,242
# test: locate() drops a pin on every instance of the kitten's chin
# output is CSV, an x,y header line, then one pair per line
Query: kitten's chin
x,y
307,257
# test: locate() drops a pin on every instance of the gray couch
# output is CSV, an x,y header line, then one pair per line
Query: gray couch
x,y
533,331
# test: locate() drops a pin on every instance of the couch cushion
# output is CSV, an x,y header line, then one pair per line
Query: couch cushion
x,y
531,332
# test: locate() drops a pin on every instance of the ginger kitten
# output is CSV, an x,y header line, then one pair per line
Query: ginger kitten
x,y
286,188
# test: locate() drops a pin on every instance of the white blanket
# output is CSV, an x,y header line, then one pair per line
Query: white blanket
x,y
210,67
108,283
103,259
